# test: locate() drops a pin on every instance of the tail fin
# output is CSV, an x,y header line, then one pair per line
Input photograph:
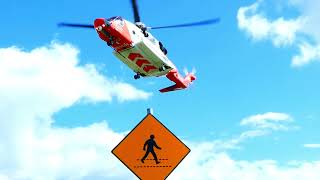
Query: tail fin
x,y
170,88
181,82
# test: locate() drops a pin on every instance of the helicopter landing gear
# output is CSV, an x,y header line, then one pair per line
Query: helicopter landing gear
x,y
163,49
137,76
165,52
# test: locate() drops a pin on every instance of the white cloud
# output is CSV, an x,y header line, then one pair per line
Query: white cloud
x,y
308,53
301,31
270,120
281,31
259,125
311,145
33,86
310,10
54,72
234,143
204,163
63,153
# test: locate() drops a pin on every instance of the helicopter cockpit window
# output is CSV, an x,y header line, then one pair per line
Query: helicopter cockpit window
x,y
115,18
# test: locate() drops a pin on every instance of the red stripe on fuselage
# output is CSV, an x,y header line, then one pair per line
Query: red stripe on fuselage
x,y
148,68
141,61
133,56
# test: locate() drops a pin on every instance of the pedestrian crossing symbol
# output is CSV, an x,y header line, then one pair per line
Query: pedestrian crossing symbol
x,y
150,150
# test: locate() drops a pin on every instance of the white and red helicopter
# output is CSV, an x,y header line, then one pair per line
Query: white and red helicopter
x,y
135,46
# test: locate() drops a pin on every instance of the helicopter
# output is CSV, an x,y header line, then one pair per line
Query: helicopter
x,y
135,46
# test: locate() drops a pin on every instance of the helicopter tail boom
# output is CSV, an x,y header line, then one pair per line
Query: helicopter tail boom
x,y
181,82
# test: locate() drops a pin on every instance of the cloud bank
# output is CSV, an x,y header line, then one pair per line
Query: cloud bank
x,y
38,83
206,164
311,146
270,120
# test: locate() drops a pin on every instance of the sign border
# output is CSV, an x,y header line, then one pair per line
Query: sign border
x,y
166,129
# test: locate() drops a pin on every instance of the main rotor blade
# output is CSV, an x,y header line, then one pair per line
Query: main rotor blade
x,y
135,11
199,23
73,25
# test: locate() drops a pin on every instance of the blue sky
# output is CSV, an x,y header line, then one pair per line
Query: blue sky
x,y
262,57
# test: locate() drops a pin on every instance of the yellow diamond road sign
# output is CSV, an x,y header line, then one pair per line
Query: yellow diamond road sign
x,y
150,150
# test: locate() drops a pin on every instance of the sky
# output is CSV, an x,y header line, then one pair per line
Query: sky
x,y
253,112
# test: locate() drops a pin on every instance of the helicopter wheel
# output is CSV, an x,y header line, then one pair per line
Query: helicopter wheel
x,y
165,52
137,76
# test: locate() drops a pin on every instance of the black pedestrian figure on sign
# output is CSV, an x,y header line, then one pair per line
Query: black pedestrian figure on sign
x,y
150,143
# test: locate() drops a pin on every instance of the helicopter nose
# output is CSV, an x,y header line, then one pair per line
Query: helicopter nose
x,y
99,24
114,31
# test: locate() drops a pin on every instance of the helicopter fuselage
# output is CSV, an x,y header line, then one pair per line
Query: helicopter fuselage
x,y
140,53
